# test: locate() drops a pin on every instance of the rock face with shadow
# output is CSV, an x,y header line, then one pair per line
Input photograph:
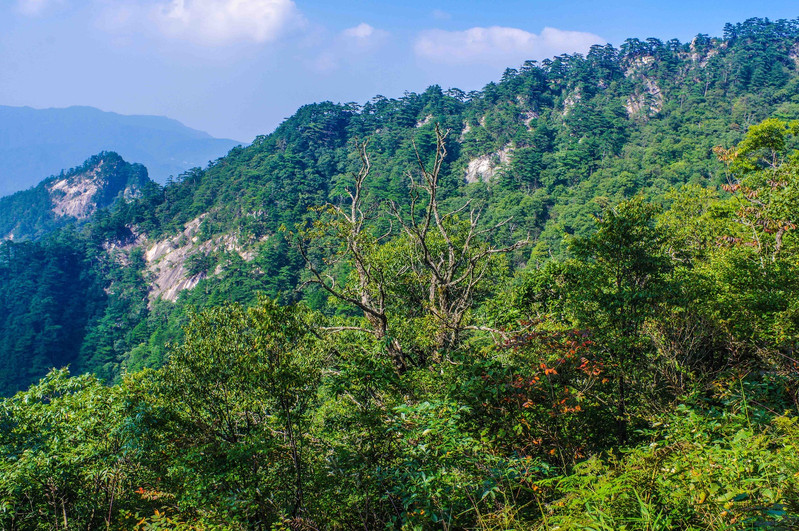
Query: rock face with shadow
x,y
70,197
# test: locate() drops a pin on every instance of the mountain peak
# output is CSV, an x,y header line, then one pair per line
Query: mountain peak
x,y
71,196
96,184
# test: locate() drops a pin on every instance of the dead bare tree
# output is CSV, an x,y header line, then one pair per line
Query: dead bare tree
x,y
357,245
448,255
453,255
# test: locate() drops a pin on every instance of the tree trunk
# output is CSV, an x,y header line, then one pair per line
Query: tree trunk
x,y
621,413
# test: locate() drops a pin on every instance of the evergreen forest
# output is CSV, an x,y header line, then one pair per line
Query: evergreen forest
x,y
569,300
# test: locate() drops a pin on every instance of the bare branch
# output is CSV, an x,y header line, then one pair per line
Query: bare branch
x,y
356,245
343,328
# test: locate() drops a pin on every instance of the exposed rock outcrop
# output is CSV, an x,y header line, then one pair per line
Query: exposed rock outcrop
x,y
166,259
528,117
102,180
647,100
571,100
75,196
422,123
483,168
70,197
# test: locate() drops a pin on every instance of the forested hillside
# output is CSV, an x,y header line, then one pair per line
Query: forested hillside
x,y
50,293
568,300
72,196
548,146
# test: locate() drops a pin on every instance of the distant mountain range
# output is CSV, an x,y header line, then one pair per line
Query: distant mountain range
x,y
35,143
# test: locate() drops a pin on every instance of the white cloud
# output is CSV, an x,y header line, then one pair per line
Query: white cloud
x,y
361,31
499,44
363,36
354,43
439,14
219,22
35,7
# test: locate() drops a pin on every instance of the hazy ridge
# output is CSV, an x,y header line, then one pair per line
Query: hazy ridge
x,y
35,143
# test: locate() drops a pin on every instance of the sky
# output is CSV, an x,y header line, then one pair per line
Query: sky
x,y
237,68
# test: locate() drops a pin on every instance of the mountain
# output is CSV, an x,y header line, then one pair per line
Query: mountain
x,y
72,196
547,146
39,142
564,301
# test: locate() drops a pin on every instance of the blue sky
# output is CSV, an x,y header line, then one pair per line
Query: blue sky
x,y
237,68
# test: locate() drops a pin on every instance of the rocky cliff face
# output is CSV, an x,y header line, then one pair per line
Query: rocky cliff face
x,y
483,168
101,181
166,259
70,197
74,197
647,97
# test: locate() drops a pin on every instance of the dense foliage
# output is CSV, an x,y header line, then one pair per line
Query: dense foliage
x,y
48,295
600,336
646,380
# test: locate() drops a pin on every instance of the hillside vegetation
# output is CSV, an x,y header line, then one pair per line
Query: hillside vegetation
x,y
567,301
